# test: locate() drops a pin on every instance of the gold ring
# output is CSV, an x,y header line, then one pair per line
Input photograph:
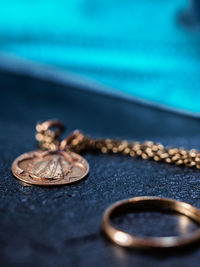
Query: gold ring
x,y
124,239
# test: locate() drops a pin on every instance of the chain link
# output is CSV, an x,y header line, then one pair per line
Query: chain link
x,y
77,142
144,150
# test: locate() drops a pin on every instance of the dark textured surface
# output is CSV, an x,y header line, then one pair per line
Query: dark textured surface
x,y
61,226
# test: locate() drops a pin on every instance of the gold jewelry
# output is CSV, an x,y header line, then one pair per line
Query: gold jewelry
x,y
52,165
58,163
124,239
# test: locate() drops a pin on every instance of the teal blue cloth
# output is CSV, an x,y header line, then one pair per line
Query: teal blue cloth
x,y
135,47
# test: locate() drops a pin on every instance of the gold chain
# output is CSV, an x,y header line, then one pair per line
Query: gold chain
x,y
77,142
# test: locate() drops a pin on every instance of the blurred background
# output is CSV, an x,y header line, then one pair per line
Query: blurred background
x,y
141,49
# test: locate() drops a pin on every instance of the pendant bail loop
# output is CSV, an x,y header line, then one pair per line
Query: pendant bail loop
x,y
72,141
47,137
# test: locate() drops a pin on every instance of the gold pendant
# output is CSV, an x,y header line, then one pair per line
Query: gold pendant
x,y
55,163
50,167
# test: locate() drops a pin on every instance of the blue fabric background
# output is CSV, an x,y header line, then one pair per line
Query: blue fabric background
x,y
60,226
136,47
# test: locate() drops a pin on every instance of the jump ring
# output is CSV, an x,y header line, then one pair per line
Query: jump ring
x,y
46,125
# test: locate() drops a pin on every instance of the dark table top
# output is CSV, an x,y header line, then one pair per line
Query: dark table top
x,y
60,226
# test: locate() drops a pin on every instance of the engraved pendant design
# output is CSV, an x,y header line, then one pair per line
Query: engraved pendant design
x,y
50,167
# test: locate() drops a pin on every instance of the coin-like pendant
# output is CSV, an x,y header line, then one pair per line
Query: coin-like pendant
x,y
50,167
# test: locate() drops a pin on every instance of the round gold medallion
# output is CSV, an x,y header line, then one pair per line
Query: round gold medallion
x,y
50,167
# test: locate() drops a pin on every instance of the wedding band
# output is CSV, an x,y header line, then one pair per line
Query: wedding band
x,y
124,239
